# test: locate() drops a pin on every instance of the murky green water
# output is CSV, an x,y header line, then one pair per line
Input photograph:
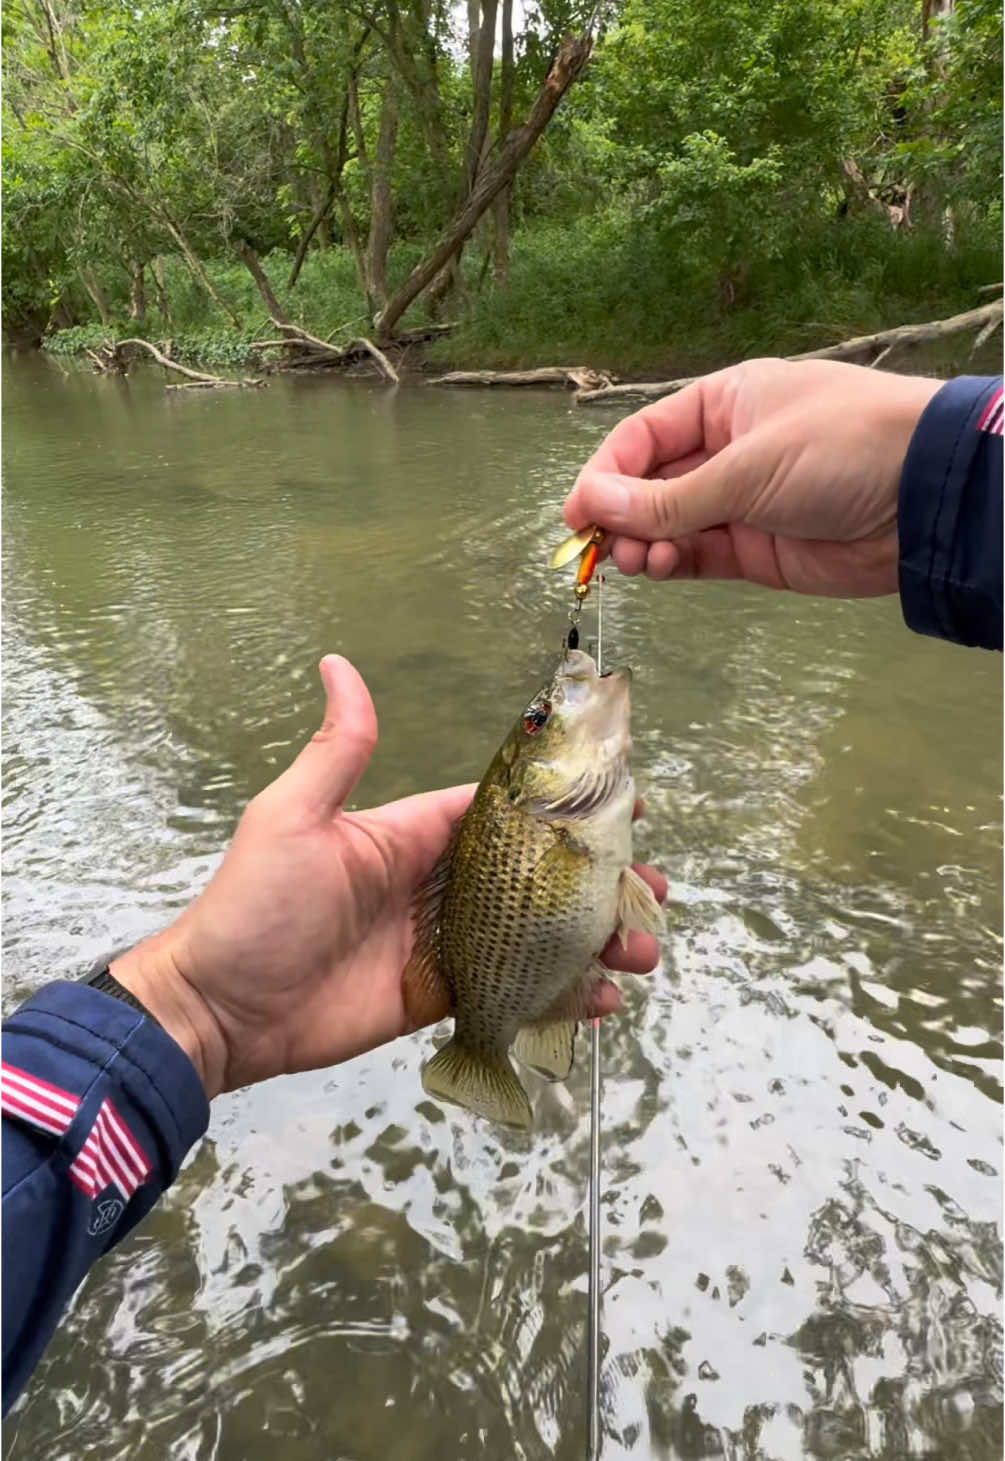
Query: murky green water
x,y
803,1130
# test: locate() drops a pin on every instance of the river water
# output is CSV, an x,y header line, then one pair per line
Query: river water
x,y
802,1135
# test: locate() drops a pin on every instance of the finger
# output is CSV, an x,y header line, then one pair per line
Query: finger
x,y
329,766
740,552
603,999
683,465
664,508
654,878
660,432
640,957
629,555
661,561
417,828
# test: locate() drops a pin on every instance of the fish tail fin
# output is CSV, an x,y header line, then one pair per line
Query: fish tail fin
x,y
485,1084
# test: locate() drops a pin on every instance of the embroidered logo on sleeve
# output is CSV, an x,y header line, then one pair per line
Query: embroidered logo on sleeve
x,y
991,416
28,1098
111,1156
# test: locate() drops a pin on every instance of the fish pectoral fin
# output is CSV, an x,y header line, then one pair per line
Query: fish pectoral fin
x,y
637,907
425,989
485,1085
547,1049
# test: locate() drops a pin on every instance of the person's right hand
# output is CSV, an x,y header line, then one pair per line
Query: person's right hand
x,y
780,472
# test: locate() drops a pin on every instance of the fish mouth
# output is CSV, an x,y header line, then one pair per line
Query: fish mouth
x,y
576,664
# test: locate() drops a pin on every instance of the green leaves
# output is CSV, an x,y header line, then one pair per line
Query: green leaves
x,y
719,136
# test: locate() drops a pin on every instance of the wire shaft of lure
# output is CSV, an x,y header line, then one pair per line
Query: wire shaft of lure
x,y
593,1438
587,545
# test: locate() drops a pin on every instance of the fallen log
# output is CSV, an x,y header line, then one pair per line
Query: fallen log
x,y
579,377
382,362
117,359
421,333
867,349
296,335
316,352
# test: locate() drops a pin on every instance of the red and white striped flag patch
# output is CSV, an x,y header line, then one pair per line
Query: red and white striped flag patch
x,y
991,416
111,1156
28,1098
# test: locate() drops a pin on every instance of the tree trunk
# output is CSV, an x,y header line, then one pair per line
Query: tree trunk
x,y
163,303
92,284
138,293
350,232
318,222
56,46
573,55
480,45
381,203
500,249
249,258
194,263
481,39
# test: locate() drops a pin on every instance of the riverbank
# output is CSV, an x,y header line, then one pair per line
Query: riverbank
x,y
579,297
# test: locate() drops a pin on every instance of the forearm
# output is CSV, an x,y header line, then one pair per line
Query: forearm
x,y
950,516
100,1106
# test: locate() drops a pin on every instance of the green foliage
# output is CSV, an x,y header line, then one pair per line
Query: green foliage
x,y
721,179
77,338
608,294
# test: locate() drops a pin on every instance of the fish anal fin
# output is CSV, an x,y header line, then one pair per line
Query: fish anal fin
x,y
547,1049
637,907
486,1085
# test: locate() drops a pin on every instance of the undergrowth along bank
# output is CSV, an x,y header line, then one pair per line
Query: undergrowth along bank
x,y
600,294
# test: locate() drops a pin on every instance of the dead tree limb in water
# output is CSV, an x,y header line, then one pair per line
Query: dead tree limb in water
x,y
865,349
113,357
578,377
315,352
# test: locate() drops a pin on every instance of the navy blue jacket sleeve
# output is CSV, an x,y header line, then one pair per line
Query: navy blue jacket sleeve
x,y
950,516
100,1106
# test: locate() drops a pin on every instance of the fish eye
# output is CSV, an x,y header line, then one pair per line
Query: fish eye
x,y
535,717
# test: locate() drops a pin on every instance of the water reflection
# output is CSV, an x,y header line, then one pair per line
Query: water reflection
x,y
802,1118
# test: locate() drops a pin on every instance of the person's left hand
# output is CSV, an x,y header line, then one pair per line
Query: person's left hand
x,y
292,957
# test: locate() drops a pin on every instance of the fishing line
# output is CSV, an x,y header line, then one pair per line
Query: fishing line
x,y
593,1317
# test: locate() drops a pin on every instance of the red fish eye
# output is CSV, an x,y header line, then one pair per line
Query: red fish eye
x,y
536,716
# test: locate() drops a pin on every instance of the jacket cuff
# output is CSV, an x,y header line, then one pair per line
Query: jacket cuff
x,y
949,519
73,1035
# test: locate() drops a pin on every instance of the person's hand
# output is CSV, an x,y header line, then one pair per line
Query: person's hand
x,y
780,472
292,957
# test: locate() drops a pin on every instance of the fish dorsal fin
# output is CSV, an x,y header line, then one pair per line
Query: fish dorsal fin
x,y
425,989
547,1049
637,907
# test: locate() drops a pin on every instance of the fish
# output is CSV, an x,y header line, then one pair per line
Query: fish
x,y
535,879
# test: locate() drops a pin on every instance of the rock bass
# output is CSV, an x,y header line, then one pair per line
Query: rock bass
x,y
536,878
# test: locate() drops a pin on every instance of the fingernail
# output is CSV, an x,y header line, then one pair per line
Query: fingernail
x,y
614,492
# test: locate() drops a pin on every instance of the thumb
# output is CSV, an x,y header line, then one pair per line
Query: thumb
x,y
326,771
654,509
